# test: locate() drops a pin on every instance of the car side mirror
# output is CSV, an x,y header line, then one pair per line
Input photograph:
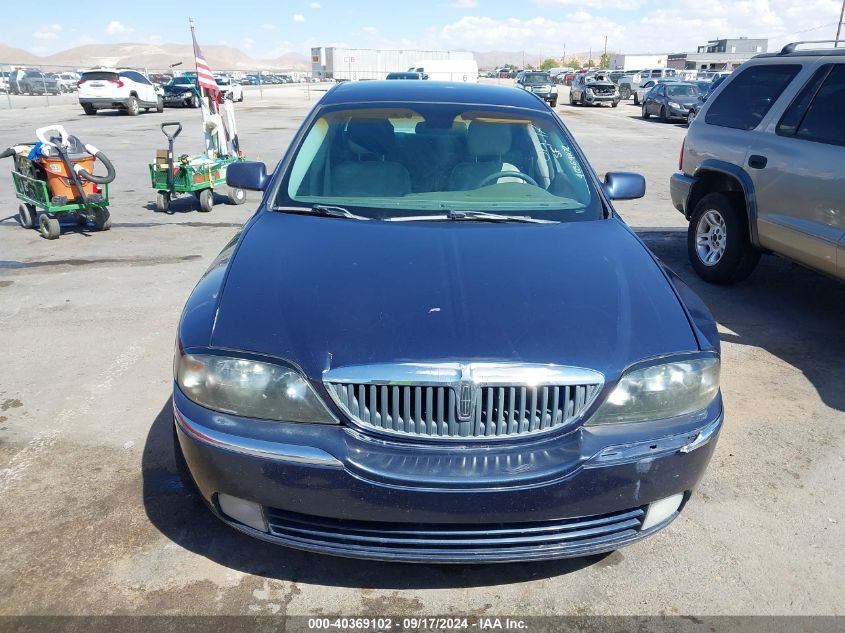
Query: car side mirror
x,y
247,175
623,185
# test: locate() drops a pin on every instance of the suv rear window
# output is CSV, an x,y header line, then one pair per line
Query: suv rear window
x,y
99,75
816,114
744,102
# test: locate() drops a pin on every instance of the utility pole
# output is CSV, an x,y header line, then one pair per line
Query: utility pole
x,y
563,59
839,26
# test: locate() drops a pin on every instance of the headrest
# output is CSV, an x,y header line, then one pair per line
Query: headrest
x,y
371,135
488,139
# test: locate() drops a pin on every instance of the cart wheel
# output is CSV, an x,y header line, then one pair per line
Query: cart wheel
x,y
206,198
236,196
49,227
102,218
27,214
81,220
163,201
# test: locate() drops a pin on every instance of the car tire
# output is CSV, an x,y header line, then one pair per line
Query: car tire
x,y
583,99
690,117
236,195
206,200
553,103
615,104
718,241
571,99
49,228
241,100
663,116
89,109
159,105
102,218
162,201
645,112
636,99
625,93
132,106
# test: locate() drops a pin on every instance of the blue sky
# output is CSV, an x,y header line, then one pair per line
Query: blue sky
x,y
265,29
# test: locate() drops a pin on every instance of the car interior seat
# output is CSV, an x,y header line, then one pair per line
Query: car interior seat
x,y
487,144
369,169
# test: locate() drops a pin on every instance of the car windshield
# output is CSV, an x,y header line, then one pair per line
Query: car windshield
x,y
184,80
223,81
681,90
703,86
434,158
536,78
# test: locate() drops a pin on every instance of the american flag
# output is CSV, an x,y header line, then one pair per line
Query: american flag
x,y
204,77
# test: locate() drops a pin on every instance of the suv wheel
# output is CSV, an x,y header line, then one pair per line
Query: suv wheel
x,y
636,99
718,243
132,107
159,104
89,109
625,93
645,112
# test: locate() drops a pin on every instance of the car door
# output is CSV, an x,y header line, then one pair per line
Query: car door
x,y
653,99
798,175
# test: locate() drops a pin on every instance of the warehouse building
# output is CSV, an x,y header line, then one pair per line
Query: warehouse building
x,y
721,54
350,64
636,62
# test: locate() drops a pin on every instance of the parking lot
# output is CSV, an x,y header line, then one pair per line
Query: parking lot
x,y
97,522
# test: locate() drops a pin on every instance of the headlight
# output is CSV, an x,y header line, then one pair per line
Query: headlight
x,y
672,104
661,391
589,91
249,388
187,94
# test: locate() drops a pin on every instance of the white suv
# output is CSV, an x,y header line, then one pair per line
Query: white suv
x,y
110,89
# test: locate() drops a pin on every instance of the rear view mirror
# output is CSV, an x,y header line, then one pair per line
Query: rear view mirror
x,y
623,185
247,175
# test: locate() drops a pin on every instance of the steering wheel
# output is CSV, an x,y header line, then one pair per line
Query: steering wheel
x,y
503,174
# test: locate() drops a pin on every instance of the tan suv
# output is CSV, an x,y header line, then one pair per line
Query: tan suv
x,y
763,167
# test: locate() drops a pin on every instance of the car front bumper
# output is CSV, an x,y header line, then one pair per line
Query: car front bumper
x,y
601,98
680,186
334,490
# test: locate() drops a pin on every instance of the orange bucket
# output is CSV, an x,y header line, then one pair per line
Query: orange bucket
x,y
58,180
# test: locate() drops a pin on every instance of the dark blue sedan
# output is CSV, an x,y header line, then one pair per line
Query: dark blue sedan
x,y
436,341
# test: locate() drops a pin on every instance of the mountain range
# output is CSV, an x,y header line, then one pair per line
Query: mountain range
x,y
159,57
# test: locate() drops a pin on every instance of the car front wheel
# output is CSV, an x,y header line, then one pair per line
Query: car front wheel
x,y
645,112
718,241
132,107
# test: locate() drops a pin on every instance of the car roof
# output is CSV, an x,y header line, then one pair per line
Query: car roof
x,y
432,92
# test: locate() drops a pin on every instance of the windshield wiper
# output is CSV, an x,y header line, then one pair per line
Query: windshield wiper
x,y
470,216
486,216
325,210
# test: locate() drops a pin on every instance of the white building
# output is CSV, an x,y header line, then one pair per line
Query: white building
x,y
350,64
637,62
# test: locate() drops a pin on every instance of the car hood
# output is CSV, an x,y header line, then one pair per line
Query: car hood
x,y
329,292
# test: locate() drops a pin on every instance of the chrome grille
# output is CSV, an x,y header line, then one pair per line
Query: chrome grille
x,y
426,403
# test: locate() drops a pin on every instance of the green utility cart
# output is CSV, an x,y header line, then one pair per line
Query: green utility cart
x,y
32,190
197,176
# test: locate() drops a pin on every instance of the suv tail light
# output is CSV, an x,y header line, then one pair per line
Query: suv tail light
x,y
681,157
117,81
80,82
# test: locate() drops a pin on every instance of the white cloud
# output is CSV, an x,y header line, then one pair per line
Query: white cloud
x,y
268,27
680,27
314,5
48,32
248,42
117,28
370,30
464,4
298,17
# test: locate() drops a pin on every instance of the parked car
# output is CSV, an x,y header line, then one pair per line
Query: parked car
x,y
540,83
407,75
67,81
593,89
628,83
671,101
113,89
646,87
453,426
230,88
181,91
761,167
705,89
34,82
